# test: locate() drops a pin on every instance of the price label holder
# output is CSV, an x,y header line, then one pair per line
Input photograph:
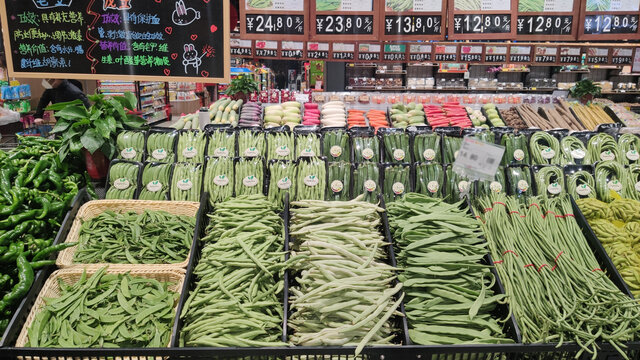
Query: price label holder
x,y
611,20
598,55
621,56
394,52
241,48
520,54
343,51
470,53
285,20
317,51
478,160
266,49
570,55
420,52
369,51
495,54
412,20
446,52
546,55
548,20
344,20
482,20
292,50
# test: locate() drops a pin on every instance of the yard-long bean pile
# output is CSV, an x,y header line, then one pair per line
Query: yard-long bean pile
x,y
602,147
573,150
449,296
239,278
345,292
554,284
545,149
152,237
629,148
581,184
609,176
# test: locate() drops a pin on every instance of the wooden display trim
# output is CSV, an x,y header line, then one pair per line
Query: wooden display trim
x,y
586,51
382,22
451,12
584,13
574,24
266,36
374,13
83,76
329,43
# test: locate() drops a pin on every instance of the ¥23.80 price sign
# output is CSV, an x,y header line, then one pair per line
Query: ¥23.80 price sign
x,y
344,24
343,19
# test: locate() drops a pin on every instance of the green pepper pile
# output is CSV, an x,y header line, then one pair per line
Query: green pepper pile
x,y
36,190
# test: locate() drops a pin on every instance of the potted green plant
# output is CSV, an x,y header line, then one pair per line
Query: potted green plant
x,y
242,86
585,90
92,132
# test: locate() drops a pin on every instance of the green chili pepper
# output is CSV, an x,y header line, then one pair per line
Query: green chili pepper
x,y
42,254
25,277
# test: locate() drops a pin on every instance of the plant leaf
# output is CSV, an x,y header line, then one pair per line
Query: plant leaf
x,y
91,140
108,149
60,126
73,113
102,127
62,105
134,121
75,145
111,123
132,101
63,152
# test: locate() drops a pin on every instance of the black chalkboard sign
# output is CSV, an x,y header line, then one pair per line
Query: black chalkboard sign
x,y
151,40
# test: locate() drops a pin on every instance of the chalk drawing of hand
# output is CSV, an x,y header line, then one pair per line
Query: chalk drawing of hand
x,y
183,15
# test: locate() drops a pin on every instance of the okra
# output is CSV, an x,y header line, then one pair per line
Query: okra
x,y
396,182
339,181
366,182
335,145
366,149
430,179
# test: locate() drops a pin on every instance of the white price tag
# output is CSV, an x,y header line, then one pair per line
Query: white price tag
x,y
477,159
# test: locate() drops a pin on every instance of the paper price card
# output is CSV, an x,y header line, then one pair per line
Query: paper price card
x,y
478,160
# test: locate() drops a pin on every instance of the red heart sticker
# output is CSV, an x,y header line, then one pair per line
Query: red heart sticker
x,y
158,1
194,37
174,56
206,1
168,30
204,73
167,72
214,28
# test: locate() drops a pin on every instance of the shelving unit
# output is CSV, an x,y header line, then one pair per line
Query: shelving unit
x,y
152,96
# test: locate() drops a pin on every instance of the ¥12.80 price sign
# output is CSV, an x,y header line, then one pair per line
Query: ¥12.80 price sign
x,y
610,24
274,24
544,24
482,24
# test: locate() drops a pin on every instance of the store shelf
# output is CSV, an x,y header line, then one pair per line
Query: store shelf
x,y
574,71
630,75
424,65
391,72
605,67
624,92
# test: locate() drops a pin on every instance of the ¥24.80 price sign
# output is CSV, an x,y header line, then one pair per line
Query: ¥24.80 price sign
x,y
285,20
274,24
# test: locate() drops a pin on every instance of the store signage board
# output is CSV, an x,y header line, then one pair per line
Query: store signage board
x,y
495,54
621,56
412,20
471,53
369,52
570,55
420,52
241,48
546,20
598,55
446,53
343,20
609,20
482,19
343,51
545,55
274,19
117,39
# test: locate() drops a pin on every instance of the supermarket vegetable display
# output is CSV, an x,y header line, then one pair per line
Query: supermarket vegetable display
x,y
156,179
219,179
426,146
105,309
336,145
222,142
581,184
251,143
602,147
287,113
573,150
366,181
280,144
616,225
249,176
123,180
396,145
130,145
149,237
239,278
191,146
555,287
345,293
186,182
429,179
160,146
403,116
311,179
396,182
339,181
282,176
450,296
609,176
549,181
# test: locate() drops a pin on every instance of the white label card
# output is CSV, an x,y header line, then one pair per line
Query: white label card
x,y
477,159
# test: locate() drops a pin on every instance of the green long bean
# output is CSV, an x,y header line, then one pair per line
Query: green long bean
x,y
282,181
602,147
573,150
629,148
549,181
545,149
581,184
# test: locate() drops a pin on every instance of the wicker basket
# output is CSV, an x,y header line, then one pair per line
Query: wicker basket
x,y
94,208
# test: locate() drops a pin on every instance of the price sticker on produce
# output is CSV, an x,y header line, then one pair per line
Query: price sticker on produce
x,y
478,160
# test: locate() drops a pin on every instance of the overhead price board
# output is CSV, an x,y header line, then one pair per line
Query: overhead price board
x,y
343,19
547,19
274,19
412,19
482,19
609,20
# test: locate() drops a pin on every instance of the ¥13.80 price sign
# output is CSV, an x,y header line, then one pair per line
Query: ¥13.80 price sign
x,y
285,20
343,19
412,20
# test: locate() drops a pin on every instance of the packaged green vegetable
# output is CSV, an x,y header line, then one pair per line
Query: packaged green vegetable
x,y
426,146
365,144
496,186
366,180
573,150
123,180
280,144
396,145
429,179
452,145
191,146
457,186
396,182
335,144
311,179
249,176
282,175
519,180
160,146
580,183
633,182
307,144
602,147
610,176
130,145
481,134
186,182
222,142
629,147
545,149
251,143
549,181
155,181
516,149
339,181
219,179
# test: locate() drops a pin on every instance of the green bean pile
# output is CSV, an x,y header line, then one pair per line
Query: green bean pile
x,y
610,176
249,176
106,311
191,146
155,182
283,181
581,184
366,149
549,181
160,146
497,185
430,179
452,145
345,292
308,145
186,182
449,296
130,145
457,186
396,146
519,180
396,182
239,278
632,189
602,147
629,147
123,181
573,150
426,147
336,145
152,237
222,143
311,179
545,149
554,284
251,143
516,150
339,181
366,181
280,145
219,179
